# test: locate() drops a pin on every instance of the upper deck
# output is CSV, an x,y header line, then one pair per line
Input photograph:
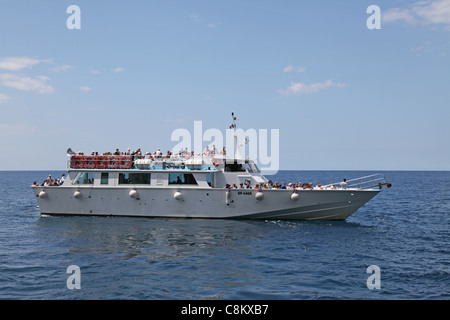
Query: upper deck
x,y
217,170
128,162
179,163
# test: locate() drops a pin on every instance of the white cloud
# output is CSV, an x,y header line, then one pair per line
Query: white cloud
x,y
64,67
397,14
25,83
7,130
95,72
195,17
118,70
426,12
85,88
422,49
302,88
17,63
198,19
293,69
4,98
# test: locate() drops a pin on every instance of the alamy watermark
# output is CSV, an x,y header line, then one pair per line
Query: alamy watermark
x,y
74,280
74,20
374,280
374,21
258,145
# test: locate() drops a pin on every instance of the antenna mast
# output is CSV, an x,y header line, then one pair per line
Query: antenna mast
x,y
237,154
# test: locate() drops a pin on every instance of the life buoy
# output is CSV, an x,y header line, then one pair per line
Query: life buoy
x,y
89,162
101,162
113,162
125,162
76,162
215,163
83,162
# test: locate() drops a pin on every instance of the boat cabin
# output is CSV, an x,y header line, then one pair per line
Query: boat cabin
x,y
196,172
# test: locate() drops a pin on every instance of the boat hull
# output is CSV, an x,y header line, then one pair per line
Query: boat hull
x,y
201,202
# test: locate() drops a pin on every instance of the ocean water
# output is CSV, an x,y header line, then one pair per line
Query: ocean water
x,y
404,231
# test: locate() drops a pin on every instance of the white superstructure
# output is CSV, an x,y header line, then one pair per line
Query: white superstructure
x,y
193,187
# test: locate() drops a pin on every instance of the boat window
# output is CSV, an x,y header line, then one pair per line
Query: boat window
x,y
134,178
104,178
84,178
233,167
182,178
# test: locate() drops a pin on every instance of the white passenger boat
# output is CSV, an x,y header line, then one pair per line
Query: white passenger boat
x,y
194,187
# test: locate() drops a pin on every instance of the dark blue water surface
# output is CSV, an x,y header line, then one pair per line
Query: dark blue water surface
x,y
404,231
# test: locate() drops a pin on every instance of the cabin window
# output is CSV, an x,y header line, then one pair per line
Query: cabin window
x,y
84,178
134,178
234,167
104,178
182,178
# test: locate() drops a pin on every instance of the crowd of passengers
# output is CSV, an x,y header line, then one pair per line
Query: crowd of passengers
x,y
245,185
291,185
156,155
50,182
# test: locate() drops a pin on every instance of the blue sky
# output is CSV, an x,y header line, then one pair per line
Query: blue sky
x,y
343,97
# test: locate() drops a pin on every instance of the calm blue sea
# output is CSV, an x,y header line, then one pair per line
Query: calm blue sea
x,y
404,231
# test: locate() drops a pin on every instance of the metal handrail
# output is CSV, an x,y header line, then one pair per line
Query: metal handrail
x,y
368,182
163,157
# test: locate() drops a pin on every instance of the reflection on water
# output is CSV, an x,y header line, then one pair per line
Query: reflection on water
x,y
204,254
193,257
134,237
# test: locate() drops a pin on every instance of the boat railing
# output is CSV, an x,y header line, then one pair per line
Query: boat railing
x,y
373,181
